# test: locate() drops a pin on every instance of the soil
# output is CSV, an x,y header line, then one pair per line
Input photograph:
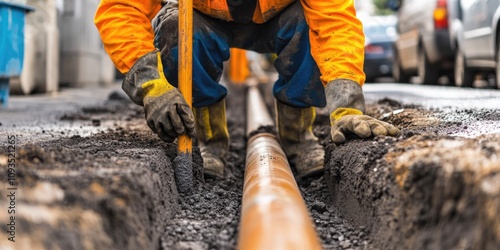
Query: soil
x,y
430,188
111,190
425,189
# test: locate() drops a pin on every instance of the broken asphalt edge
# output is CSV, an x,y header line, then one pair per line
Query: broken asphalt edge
x,y
420,192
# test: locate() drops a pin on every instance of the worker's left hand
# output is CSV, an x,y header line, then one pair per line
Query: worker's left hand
x,y
169,116
346,105
363,126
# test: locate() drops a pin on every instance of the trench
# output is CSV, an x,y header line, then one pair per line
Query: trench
x,y
212,215
114,189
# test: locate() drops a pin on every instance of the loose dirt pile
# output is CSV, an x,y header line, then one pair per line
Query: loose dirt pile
x,y
425,189
111,190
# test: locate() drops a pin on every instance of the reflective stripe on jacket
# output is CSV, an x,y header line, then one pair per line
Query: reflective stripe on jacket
x,y
336,35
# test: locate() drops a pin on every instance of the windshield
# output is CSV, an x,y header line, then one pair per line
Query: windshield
x,y
377,28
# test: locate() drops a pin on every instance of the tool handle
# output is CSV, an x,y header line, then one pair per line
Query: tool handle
x,y
186,63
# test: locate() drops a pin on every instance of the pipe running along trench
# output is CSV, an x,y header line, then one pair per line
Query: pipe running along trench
x,y
274,214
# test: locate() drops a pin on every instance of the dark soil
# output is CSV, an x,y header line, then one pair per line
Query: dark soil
x,y
429,188
111,190
209,219
424,189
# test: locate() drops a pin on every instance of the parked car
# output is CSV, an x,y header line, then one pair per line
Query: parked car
x,y
424,45
380,33
478,40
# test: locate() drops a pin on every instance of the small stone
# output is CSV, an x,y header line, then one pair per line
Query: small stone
x,y
319,206
189,245
225,237
345,244
96,122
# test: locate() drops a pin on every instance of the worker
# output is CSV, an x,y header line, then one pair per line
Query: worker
x,y
319,47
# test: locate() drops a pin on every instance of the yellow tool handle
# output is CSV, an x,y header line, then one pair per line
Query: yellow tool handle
x,y
185,142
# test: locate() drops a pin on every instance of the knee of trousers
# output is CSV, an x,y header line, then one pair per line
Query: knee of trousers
x,y
209,53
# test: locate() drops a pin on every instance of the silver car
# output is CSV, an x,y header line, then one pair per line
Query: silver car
x,y
423,47
478,40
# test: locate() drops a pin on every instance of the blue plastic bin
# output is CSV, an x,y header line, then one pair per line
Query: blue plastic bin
x,y
11,44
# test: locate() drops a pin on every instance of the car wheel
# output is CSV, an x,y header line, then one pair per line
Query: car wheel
x,y
369,80
451,77
427,72
398,72
497,69
464,76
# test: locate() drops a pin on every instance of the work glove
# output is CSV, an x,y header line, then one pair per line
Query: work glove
x,y
167,113
346,105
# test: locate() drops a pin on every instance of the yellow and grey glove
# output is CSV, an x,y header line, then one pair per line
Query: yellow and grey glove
x,y
346,105
167,113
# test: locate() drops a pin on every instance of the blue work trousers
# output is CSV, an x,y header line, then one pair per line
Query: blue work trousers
x,y
286,35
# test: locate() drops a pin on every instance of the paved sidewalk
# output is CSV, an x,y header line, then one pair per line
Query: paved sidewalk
x,y
36,107
39,117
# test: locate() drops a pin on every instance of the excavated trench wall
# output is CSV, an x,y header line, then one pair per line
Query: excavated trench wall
x,y
422,190
112,190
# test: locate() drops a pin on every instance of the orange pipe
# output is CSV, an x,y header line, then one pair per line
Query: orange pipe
x,y
257,113
273,213
185,142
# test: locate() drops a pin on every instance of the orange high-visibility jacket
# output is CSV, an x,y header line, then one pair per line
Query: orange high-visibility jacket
x,y
336,35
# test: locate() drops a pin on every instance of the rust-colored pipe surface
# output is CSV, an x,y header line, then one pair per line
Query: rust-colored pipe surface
x,y
274,215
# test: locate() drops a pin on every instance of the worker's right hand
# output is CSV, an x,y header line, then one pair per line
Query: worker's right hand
x,y
351,121
167,112
346,105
